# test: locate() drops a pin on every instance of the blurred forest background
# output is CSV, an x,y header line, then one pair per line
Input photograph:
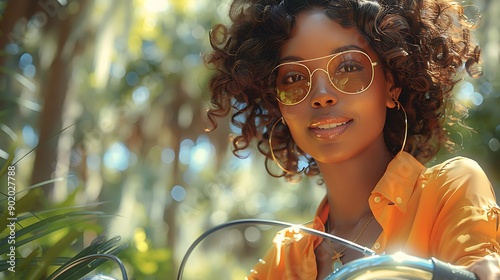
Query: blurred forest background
x,y
102,104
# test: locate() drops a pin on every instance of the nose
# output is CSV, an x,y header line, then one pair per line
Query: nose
x,y
322,91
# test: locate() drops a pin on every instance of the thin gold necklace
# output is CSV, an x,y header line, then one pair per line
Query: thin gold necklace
x,y
336,258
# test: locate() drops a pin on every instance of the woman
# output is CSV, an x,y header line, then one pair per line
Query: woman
x,y
359,92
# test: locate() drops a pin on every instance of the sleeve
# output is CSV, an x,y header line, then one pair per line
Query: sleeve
x,y
467,223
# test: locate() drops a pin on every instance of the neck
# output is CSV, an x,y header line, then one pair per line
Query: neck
x,y
350,183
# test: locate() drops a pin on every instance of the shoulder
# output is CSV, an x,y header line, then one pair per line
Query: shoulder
x,y
295,235
460,176
291,256
458,168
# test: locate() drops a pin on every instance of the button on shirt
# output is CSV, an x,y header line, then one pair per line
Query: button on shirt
x,y
447,211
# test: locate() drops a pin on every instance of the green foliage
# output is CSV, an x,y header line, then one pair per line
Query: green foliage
x,y
48,235
98,247
133,103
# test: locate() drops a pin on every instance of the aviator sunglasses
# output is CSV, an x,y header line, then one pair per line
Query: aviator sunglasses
x,y
350,72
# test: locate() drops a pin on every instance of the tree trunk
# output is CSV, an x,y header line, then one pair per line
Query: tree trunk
x,y
54,93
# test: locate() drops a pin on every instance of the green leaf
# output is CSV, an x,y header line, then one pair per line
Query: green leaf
x,y
98,246
49,225
51,255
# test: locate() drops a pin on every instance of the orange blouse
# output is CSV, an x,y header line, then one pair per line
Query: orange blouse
x,y
447,211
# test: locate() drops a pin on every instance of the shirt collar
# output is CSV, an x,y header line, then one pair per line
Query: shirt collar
x,y
399,179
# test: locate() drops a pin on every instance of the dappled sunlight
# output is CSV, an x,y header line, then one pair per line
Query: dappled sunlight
x,y
104,104
467,95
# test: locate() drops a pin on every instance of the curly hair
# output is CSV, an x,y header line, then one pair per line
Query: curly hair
x,y
424,44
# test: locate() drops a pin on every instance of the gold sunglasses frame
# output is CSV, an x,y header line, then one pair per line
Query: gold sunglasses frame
x,y
332,57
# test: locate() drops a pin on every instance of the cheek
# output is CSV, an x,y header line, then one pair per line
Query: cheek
x,y
291,113
377,112
381,116
295,119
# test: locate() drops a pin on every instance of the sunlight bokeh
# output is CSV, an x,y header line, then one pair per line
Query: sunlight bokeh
x,y
108,99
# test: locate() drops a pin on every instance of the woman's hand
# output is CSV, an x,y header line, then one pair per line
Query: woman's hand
x,y
487,268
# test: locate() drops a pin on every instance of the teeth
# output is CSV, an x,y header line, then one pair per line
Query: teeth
x,y
330,126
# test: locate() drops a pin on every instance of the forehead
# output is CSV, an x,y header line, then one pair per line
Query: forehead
x,y
315,34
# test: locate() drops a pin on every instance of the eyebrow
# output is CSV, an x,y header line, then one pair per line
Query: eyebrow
x,y
293,58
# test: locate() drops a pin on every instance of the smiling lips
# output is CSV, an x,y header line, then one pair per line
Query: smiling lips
x,y
329,128
330,125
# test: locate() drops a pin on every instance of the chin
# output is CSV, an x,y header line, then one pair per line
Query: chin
x,y
333,157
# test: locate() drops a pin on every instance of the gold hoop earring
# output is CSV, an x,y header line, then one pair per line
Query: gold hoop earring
x,y
399,106
282,120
